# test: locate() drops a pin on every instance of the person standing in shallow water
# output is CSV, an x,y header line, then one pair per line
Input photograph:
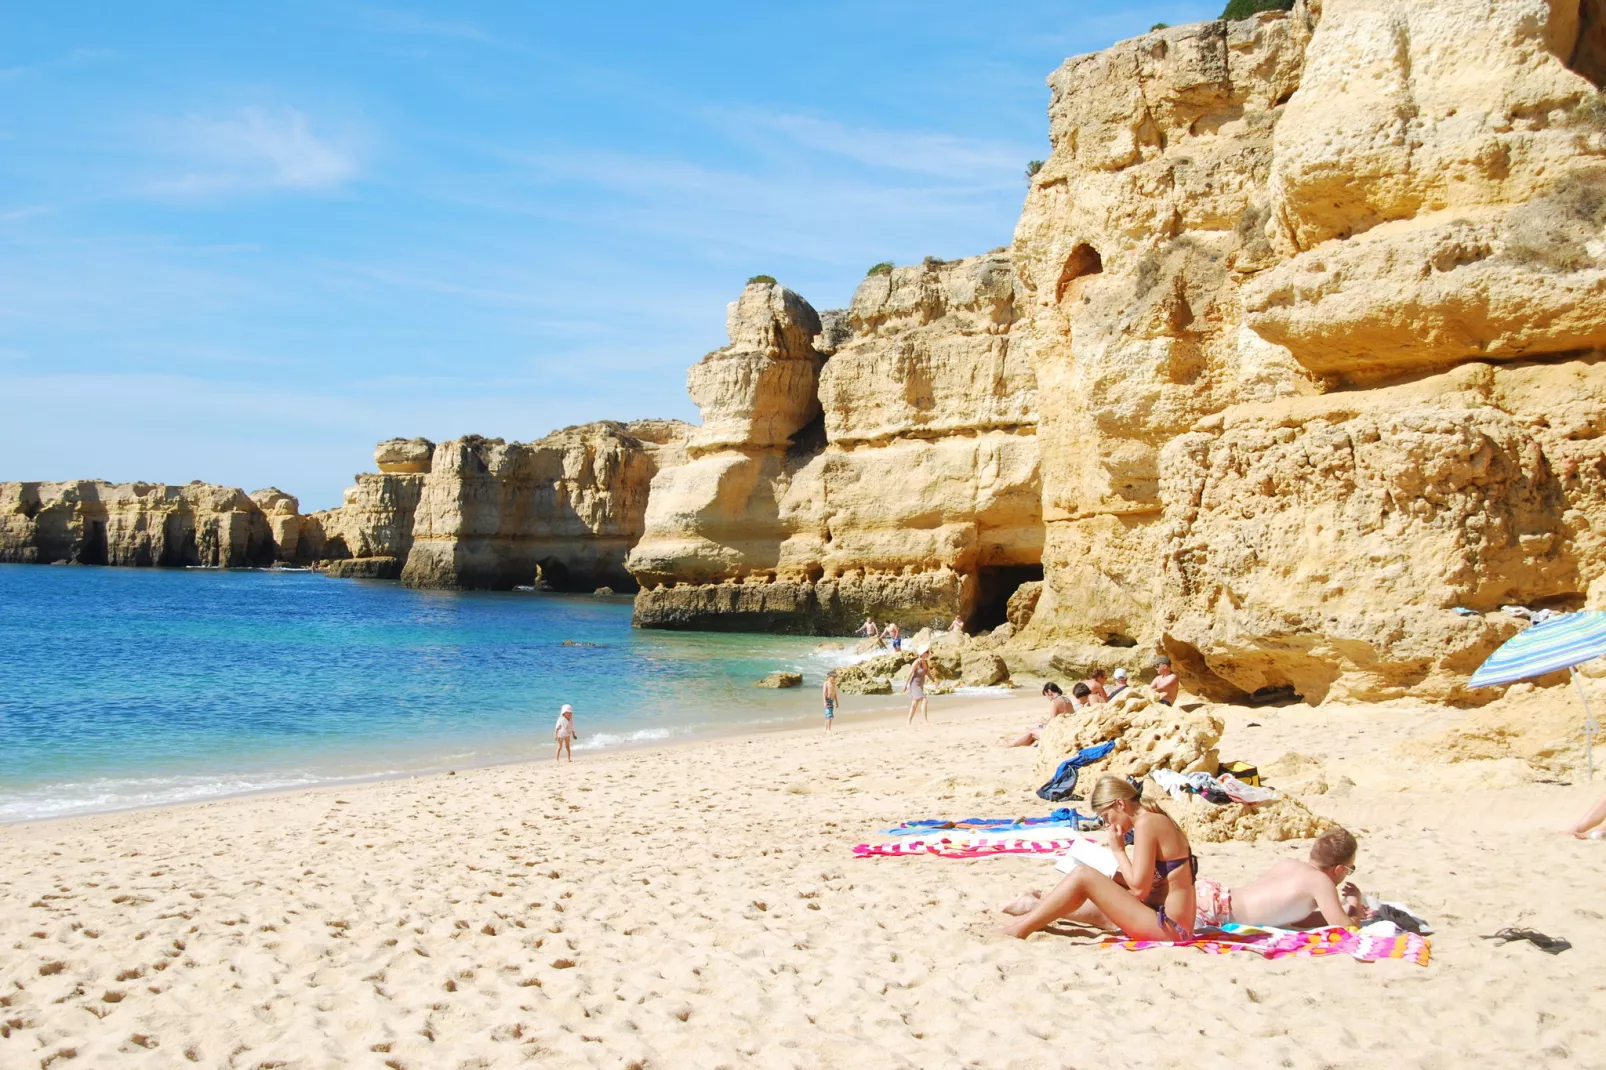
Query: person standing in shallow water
x,y
563,732
919,672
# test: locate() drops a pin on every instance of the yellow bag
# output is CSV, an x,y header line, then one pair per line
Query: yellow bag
x,y
1243,771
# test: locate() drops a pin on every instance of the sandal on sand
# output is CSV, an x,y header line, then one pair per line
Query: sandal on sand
x,y
1553,945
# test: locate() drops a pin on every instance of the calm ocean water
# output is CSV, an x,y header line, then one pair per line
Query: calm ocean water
x,y
132,687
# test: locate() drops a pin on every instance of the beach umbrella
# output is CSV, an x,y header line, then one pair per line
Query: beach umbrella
x,y
1563,642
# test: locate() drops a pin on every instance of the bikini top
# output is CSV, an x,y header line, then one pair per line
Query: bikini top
x,y
1164,867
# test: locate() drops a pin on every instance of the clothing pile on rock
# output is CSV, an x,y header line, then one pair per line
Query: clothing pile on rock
x,y
1063,783
1222,789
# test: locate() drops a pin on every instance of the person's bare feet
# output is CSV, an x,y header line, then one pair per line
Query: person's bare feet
x,y
1015,929
1025,904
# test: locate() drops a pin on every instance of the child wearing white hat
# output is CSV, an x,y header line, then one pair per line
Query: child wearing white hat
x,y
564,733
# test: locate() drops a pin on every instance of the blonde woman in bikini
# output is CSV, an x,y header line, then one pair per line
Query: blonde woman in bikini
x,y
1151,895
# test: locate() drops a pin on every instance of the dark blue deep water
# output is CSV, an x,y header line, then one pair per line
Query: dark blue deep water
x,y
132,687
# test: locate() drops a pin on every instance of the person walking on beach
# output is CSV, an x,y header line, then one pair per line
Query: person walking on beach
x,y
919,672
1166,682
829,693
565,734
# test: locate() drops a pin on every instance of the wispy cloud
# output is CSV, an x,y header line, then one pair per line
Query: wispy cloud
x,y
252,150
390,20
70,59
939,155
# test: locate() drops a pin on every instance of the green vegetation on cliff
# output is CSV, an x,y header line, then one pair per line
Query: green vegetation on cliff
x,y
1242,9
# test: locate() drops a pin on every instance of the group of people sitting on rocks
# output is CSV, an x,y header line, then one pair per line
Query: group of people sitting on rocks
x,y
1097,688
1156,892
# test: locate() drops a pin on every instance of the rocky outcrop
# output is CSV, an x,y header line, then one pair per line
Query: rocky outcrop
x,y
1319,296
903,486
564,509
371,534
137,524
1146,734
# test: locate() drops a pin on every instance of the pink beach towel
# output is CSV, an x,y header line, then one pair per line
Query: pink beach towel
x,y
963,847
1282,943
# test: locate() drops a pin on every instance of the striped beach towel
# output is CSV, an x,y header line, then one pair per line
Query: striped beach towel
x,y
1285,943
961,846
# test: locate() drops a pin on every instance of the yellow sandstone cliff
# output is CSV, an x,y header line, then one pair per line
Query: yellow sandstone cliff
x,y
885,465
1319,296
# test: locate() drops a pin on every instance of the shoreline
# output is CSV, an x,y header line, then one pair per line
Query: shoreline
x,y
875,716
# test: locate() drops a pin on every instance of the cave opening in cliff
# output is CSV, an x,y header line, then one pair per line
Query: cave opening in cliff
x,y
993,588
94,550
1083,261
1589,50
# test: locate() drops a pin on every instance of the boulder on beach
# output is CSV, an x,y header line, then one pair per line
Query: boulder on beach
x,y
1283,818
982,669
1147,735
782,679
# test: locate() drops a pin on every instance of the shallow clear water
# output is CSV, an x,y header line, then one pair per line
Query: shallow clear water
x,y
132,687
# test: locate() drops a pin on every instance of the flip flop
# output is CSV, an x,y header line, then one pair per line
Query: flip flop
x,y
1553,945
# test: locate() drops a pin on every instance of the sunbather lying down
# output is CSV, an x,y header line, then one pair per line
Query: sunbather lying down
x,y
1293,894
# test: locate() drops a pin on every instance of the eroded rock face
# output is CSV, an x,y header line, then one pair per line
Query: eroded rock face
x,y
136,524
1245,233
1146,734
402,456
919,477
490,514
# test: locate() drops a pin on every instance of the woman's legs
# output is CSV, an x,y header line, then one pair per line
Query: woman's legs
x,y
1083,887
1027,740
1594,817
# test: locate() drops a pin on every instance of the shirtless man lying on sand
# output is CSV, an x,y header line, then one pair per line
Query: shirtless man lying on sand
x,y
1293,893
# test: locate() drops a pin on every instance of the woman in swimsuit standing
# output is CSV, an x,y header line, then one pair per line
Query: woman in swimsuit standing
x,y
1151,895
916,687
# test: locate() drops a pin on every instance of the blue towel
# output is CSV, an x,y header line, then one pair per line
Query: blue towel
x,y
1063,782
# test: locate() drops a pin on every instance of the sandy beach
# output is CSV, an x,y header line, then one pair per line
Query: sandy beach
x,y
699,906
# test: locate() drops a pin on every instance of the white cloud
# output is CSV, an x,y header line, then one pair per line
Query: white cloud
x,y
253,150
941,155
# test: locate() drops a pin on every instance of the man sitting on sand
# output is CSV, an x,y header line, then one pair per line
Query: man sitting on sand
x,y
1294,893
1057,704
1166,682
1117,687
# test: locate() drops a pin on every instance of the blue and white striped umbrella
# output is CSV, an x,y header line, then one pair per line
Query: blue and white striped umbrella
x,y
1558,643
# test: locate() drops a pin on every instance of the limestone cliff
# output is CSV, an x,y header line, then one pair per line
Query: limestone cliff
x,y
902,483
370,534
91,522
494,514
1271,271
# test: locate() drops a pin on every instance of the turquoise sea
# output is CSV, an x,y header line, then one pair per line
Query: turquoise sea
x,y
136,687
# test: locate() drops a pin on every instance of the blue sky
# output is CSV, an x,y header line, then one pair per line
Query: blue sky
x,y
243,243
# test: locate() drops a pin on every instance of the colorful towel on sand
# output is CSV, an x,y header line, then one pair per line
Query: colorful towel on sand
x,y
977,846
1283,943
1061,818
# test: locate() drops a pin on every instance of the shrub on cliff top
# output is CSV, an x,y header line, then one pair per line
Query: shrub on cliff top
x,y
1032,167
767,280
883,268
1242,9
